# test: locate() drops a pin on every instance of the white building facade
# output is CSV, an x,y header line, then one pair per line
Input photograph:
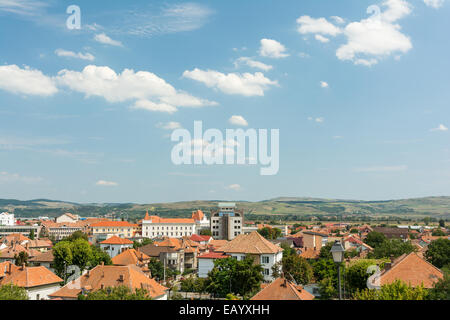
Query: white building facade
x,y
157,227
7,219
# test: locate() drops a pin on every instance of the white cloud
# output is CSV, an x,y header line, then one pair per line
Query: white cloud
x,y
338,20
245,84
377,36
152,106
441,127
382,169
22,7
318,120
252,63
434,3
324,84
71,54
142,86
366,62
170,18
272,49
26,81
235,187
315,26
6,177
304,55
104,183
103,38
238,121
172,125
321,38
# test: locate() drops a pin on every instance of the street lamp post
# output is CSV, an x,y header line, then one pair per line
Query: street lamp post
x,y
337,250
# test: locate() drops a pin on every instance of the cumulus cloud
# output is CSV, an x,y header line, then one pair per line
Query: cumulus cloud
x,y
238,121
321,38
172,125
103,38
324,84
234,187
245,84
142,86
71,54
377,36
338,19
152,106
104,183
26,81
318,120
252,63
272,49
441,127
306,25
434,3
368,40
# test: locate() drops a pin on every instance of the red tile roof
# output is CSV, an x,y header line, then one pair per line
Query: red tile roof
x,y
29,277
199,238
198,215
116,240
111,276
156,219
282,289
412,270
213,255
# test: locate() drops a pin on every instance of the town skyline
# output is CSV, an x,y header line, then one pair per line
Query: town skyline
x,y
88,113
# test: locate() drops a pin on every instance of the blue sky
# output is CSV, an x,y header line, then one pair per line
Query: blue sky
x,y
361,99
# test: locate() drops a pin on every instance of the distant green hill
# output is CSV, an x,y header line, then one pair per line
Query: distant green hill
x,y
283,208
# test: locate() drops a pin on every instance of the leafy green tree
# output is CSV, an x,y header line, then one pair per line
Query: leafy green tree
x,y
441,289
76,235
21,258
438,233
442,223
287,250
98,256
397,290
116,293
427,220
392,248
327,288
375,239
81,253
324,268
144,242
294,268
236,277
156,268
270,233
438,252
356,275
62,253
205,232
13,292
32,235
325,252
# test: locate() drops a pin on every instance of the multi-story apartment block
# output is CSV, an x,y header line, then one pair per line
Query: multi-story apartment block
x,y
157,227
226,221
7,219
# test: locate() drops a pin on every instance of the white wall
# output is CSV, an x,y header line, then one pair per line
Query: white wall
x,y
204,266
42,291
